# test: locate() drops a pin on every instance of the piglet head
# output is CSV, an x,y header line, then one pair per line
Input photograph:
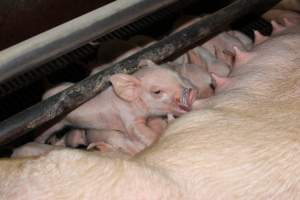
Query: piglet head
x,y
159,90
162,91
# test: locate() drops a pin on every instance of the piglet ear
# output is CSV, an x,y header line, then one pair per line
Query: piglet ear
x,y
147,63
126,86
194,58
220,81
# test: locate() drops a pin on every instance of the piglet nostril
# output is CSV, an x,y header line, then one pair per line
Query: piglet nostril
x,y
185,96
212,86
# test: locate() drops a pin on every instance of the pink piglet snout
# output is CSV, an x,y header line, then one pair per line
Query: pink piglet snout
x,y
188,96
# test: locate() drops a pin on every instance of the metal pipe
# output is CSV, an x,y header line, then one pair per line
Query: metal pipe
x,y
74,96
70,35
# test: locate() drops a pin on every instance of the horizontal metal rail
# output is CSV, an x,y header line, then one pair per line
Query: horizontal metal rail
x,y
70,35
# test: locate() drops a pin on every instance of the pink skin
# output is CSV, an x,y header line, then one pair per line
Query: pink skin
x,y
242,57
93,138
288,22
242,72
157,124
125,107
32,149
205,60
217,54
112,140
199,55
121,49
244,145
196,76
104,141
222,45
247,43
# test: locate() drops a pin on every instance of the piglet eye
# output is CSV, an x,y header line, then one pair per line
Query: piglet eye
x,y
157,93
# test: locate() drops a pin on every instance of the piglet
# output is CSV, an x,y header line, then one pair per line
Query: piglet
x,y
222,45
123,108
206,60
32,149
196,76
217,54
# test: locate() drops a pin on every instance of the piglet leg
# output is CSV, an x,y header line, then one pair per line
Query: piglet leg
x,y
33,149
112,140
76,138
157,124
143,132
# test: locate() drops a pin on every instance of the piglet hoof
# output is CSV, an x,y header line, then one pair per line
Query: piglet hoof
x,y
259,38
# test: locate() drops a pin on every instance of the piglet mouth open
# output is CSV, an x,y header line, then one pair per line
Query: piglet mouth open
x,y
187,98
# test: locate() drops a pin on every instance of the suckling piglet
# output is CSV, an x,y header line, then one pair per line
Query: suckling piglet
x,y
217,54
122,109
221,46
196,76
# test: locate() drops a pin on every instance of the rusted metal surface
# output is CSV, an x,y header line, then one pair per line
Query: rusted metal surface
x,y
74,96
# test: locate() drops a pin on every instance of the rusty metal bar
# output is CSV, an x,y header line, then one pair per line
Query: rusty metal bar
x,y
71,98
